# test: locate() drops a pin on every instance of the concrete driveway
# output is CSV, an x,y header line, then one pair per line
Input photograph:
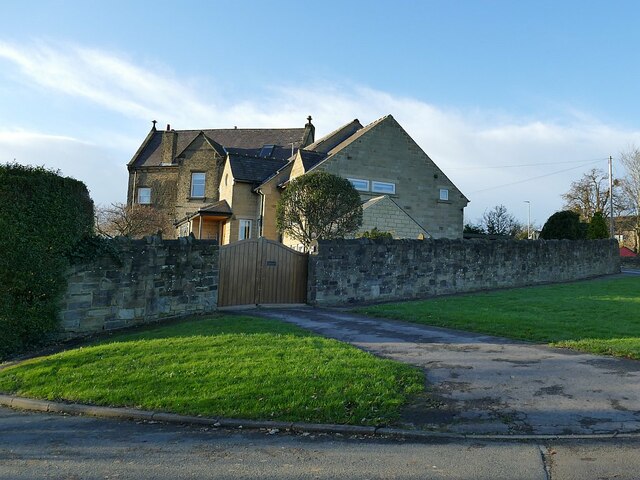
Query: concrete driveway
x,y
483,384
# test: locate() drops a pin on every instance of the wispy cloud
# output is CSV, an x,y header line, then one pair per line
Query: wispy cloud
x,y
105,79
24,137
467,145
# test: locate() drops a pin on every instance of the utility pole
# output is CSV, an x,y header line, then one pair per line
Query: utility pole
x,y
528,220
611,226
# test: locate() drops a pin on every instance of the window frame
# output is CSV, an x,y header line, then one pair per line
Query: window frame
x,y
245,225
378,183
194,184
366,182
139,197
446,196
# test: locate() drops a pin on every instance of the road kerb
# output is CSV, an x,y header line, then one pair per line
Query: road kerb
x,y
21,403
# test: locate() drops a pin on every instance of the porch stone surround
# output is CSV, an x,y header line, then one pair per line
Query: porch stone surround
x,y
142,281
363,270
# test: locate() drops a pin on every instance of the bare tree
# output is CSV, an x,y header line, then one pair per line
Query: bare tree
x,y
499,221
135,221
631,188
590,194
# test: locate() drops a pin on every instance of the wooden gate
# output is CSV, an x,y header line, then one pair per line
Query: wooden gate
x,y
261,271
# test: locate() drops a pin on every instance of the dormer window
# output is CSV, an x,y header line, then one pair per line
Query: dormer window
x,y
267,150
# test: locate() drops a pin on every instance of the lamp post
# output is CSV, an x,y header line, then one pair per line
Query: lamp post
x,y
528,220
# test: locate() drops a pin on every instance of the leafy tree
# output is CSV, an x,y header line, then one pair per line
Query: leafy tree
x,y
135,221
564,225
590,194
598,227
499,221
318,205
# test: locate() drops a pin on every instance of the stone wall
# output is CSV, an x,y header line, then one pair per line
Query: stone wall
x,y
363,270
141,281
632,263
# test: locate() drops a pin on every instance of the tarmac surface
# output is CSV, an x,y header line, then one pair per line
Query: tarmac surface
x,y
487,385
495,409
62,447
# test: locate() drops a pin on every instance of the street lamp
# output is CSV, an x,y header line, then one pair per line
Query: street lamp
x,y
528,220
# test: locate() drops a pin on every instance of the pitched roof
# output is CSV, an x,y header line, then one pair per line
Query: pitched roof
x,y
335,138
311,159
359,132
221,207
254,169
150,154
627,252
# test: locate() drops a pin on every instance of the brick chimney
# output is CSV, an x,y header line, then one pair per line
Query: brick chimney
x,y
169,140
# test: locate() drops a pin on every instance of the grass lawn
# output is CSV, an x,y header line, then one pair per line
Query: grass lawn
x,y
229,366
599,316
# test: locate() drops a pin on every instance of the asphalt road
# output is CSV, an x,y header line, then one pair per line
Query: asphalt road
x,y
53,446
484,384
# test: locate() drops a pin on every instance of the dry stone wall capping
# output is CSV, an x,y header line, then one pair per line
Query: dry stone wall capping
x,y
364,270
142,281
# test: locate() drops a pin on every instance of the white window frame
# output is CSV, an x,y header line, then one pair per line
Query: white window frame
x,y
144,196
383,187
198,183
444,194
364,186
245,226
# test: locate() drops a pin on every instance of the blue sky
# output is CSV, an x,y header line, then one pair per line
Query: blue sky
x,y
512,99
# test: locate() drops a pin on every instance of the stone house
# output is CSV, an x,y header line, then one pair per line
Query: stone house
x,y
625,232
225,184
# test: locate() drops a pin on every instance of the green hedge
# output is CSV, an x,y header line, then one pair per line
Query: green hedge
x,y
42,216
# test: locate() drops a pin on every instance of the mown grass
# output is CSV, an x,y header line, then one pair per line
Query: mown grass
x,y
228,366
598,316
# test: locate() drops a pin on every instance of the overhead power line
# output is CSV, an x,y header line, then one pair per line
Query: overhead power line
x,y
487,167
538,177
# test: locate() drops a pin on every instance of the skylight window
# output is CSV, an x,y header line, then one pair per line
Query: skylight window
x,y
267,150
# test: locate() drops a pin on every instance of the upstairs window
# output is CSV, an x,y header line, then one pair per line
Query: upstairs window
x,y
144,195
359,184
383,187
444,194
245,230
197,184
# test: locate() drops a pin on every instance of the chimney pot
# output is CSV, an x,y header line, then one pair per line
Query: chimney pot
x,y
168,127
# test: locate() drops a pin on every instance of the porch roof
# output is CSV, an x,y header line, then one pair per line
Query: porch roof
x,y
215,211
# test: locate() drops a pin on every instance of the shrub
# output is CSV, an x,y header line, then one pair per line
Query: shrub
x,y
42,216
564,225
598,227
374,233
